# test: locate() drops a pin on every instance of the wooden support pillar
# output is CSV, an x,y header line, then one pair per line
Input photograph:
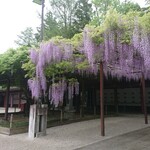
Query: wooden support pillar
x,y
19,104
11,99
82,100
94,99
141,96
7,99
116,100
102,101
144,98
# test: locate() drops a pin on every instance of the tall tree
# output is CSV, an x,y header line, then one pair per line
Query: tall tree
x,y
100,9
11,68
67,17
11,62
51,26
82,15
127,6
147,2
102,6
64,12
27,38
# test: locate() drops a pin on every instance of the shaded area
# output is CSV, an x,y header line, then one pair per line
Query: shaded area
x,y
136,140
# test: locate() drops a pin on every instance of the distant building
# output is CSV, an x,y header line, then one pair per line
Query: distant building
x,y
15,98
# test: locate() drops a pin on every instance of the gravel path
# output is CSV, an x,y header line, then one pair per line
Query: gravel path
x,y
136,140
73,136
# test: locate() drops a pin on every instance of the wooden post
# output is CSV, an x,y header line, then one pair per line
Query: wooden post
x,y
19,104
94,100
116,99
7,99
82,100
144,98
101,101
11,120
61,114
32,121
141,93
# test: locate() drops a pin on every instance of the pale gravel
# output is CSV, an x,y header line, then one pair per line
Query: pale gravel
x,y
75,135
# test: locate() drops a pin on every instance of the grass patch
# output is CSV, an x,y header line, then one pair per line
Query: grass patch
x,y
4,123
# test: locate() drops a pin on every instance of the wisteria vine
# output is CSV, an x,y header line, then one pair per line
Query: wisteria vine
x,y
125,52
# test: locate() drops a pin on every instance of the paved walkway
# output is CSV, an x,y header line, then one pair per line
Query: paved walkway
x,y
136,140
79,135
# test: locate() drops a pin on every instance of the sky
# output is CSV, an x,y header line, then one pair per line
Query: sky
x,y
16,16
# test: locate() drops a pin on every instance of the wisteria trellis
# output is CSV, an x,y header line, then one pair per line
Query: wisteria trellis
x,y
51,53
121,57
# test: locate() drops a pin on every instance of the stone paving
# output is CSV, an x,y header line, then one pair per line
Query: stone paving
x,y
75,135
136,140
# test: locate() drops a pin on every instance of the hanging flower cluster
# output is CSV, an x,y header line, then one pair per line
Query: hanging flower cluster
x,y
92,51
35,88
56,92
73,89
49,53
124,53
